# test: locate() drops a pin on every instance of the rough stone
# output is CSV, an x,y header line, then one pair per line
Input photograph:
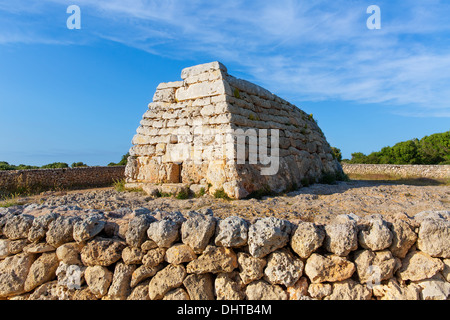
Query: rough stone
x,y
177,294
307,238
17,227
377,236
215,260
131,255
98,279
283,268
120,286
320,290
42,270
102,251
137,229
164,232
199,286
435,288
153,257
349,290
374,266
261,290
140,292
267,235
341,238
179,253
70,276
142,273
232,232
13,274
299,290
197,231
403,238
40,226
329,268
229,286
418,266
395,291
69,253
60,231
251,268
169,278
434,237
88,228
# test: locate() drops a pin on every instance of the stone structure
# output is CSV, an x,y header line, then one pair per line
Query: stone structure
x,y
219,132
408,171
42,179
88,255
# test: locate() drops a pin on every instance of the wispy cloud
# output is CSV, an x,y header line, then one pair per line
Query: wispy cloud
x,y
303,50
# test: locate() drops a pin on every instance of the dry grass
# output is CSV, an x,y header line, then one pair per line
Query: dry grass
x,y
413,180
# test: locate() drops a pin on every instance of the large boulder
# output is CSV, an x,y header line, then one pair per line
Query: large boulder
x,y
434,237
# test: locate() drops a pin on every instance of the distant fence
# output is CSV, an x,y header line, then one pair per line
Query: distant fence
x,y
439,172
44,179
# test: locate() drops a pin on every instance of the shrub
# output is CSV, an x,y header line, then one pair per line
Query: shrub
x,y
183,194
55,165
221,194
78,165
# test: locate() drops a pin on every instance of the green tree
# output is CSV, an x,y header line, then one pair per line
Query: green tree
x,y
337,154
78,165
122,162
55,165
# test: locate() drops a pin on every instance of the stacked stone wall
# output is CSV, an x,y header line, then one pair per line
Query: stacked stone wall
x,y
439,172
62,254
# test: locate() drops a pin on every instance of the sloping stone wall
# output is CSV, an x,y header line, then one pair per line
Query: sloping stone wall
x,y
87,254
11,180
190,134
440,172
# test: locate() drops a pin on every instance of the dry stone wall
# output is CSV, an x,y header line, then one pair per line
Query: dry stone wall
x,y
191,134
440,172
11,180
89,255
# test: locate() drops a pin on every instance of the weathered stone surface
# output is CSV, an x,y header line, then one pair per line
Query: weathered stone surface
x,y
42,270
267,235
199,286
70,276
140,292
403,238
329,268
341,238
69,253
131,255
84,294
177,294
261,290
434,237
446,271
102,252
251,268
120,286
395,291
179,253
215,260
197,231
17,226
349,290
374,266
60,230
169,278
153,257
4,248
283,268
51,291
435,288
232,232
98,279
164,232
137,229
299,290
38,248
418,266
13,273
320,290
377,236
88,227
306,239
40,226
229,286
142,273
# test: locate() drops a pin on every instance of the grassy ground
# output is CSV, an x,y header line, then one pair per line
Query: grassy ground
x,y
414,181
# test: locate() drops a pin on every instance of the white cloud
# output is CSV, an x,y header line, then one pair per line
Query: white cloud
x,y
302,50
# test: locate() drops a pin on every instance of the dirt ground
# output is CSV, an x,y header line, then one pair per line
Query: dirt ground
x,y
318,203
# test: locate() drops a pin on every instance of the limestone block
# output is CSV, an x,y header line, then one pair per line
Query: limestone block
x,y
434,237
329,268
214,260
418,266
232,232
164,95
261,290
199,286
169,278
201,90
306,239
199,69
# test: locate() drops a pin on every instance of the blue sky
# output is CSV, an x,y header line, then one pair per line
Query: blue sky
x,y
78,95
